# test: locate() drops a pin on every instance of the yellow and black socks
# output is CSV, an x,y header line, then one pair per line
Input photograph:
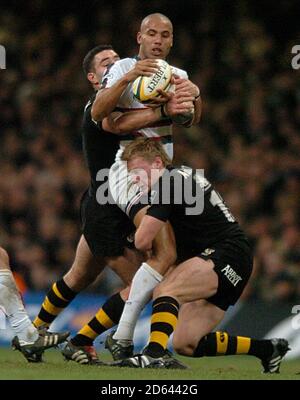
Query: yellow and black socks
x,y
163,322
221,344
107,316
57,299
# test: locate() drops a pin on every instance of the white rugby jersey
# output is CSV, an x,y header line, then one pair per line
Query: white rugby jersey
x,y
163,129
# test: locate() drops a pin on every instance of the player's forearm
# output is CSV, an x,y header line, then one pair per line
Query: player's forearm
x,y
134,120
146,232
163,250
107,100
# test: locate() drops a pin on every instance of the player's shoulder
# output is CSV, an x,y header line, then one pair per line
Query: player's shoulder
x,y
180,72
124,64
87,116
195,176
90,102
115,71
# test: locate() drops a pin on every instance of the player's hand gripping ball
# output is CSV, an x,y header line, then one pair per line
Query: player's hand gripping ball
x,y
145,88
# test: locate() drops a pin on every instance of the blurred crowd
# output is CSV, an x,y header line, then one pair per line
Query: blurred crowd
x,y
248,141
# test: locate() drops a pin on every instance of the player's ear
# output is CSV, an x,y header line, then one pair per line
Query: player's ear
x,y
158,162
139,37
171,41
91,76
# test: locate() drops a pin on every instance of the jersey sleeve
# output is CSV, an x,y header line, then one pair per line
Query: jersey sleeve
x,y
157,210
160,211
180,72
88,116
113,73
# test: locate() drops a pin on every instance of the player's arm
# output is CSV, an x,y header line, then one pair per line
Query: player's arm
x,y
107,98
122,123
146,232
150,225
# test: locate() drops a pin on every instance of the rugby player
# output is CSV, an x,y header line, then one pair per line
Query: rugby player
x,y
105,227
28,340
215,264
155,40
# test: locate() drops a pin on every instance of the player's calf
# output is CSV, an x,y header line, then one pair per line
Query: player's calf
x,y
270,352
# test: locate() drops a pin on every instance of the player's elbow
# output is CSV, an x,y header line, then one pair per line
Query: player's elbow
x,y
99,109
97,114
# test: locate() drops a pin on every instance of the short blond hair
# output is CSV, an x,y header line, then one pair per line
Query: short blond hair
x,y
147,149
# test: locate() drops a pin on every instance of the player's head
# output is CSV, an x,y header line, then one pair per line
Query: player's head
x,y
155,36
146,159
96,61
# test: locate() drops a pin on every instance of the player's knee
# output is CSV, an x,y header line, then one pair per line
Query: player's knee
x,y
169,255
166,258
124,293
4,259
122,268
78,279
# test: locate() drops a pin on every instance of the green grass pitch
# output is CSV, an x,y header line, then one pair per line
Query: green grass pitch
x,y
14,366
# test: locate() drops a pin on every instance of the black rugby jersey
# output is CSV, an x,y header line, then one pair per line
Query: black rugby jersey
x,y
99,147
175,200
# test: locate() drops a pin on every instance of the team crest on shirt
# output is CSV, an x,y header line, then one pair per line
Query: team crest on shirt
x,y
208,252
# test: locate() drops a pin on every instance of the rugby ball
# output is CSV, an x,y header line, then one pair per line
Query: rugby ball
x,y
145,87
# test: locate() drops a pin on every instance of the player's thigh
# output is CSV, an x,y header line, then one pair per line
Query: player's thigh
x,y
195,320
85,267
125,266
192,280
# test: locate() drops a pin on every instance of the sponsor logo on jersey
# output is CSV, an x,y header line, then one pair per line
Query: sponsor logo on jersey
x,y
231,275
208,252
222,337
130,238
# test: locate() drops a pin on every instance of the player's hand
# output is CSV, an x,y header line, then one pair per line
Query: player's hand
x,y
184,86
177,106
145,67
163,98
